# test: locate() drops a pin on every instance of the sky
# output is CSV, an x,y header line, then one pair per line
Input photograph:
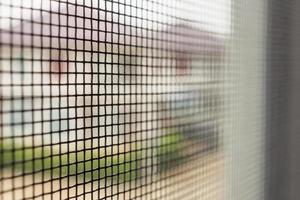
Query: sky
x,y
212,15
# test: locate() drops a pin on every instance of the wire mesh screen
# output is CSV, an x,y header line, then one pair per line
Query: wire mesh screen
x,y
120,99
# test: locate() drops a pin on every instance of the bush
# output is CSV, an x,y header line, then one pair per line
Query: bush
x,y
170,150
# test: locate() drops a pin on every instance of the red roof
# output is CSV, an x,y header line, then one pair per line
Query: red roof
x,y
82,25
181,38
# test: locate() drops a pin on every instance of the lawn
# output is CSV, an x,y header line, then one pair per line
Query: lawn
x,y
90,164
83,164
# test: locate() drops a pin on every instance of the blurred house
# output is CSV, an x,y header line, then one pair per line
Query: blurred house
x,y
193,75
64,76
80,73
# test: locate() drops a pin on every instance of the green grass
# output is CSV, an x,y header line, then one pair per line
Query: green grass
x,y
83,164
